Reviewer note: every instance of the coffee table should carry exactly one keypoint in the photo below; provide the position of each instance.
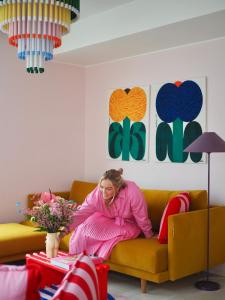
(53, 275)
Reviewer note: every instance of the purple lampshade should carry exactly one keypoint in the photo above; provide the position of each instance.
(207, 142)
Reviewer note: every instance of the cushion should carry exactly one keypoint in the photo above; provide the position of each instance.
(143, 254)
(179, 203)
(19, 282)
(81, 282)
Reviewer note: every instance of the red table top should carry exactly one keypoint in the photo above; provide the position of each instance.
(42, 259)
(52, 274)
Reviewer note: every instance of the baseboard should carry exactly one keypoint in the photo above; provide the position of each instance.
(219, 270)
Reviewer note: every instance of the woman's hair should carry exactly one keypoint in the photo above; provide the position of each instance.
(115, 177)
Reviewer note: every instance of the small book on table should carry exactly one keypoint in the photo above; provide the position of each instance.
(66, 261)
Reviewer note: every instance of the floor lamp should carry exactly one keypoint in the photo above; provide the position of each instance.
(208, 142)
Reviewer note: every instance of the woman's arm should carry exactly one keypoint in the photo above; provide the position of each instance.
(87, 208)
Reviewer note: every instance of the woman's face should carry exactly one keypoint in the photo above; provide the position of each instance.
(108, 189)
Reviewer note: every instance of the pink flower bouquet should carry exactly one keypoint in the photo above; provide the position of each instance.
(51, 213)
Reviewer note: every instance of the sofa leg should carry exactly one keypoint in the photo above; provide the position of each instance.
(143, 286)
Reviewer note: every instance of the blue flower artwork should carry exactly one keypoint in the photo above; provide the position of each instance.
(180, 119)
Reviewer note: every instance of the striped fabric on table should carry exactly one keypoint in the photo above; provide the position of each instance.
(80, 283)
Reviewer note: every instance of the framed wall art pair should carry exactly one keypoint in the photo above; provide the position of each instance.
(157, 122)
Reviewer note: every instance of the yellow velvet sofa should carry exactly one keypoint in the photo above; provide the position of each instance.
(185, 253)
(18, 239)
(147, 259)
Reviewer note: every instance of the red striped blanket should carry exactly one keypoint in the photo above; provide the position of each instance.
(80, 283)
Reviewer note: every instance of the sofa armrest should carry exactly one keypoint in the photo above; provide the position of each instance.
(64, 195)
(187, 241)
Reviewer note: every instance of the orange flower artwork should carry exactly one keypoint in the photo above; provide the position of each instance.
(131, 105)
(127, 132)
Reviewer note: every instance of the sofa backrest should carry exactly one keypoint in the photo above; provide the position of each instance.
(80, 189)
(156, 199)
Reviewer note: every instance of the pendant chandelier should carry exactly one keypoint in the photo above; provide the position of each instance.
(35, 27)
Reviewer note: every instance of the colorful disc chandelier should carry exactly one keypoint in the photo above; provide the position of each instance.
(35, 27)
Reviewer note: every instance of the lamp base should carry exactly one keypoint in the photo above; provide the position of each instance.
(207, 285)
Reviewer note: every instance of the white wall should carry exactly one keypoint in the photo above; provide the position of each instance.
(41, 130)
(206, 59)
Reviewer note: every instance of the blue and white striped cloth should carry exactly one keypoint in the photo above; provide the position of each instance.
(48, 292)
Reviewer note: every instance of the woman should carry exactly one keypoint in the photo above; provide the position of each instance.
(114, 211)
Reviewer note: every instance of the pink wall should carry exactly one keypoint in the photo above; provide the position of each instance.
(206, 59)
(44, 121)
(41, 130)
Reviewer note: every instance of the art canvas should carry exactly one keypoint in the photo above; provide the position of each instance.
(128, 127)
(179, 117)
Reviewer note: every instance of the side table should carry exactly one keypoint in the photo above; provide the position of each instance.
(53, 275)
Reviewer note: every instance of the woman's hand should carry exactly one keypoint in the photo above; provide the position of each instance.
(61, 234)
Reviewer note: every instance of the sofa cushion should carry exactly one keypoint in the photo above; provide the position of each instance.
(179, 203)
(64, 242)
(19, 282)
(141, 254)
(17, 238)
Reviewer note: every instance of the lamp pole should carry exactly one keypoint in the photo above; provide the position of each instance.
(208, 221)
(208, 142)
(208, 285)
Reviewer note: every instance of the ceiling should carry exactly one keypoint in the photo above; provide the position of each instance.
(92, 7)
(110, 30)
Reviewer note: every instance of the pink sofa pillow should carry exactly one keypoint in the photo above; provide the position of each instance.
(19, 282)
(179, 203)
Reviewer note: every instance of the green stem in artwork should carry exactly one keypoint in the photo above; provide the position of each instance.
(178, 140)
(126, 139)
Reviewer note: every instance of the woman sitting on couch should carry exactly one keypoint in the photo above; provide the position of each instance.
(114, 211)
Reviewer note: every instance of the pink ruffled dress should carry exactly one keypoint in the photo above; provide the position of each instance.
(99, 228)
